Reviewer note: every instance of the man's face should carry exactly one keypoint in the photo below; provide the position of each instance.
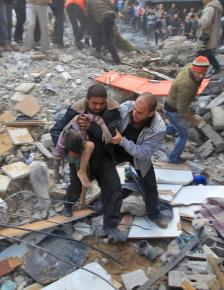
(96, 104)
(141, 112)
(198, 76)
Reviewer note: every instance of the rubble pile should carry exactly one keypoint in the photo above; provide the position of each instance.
(40, 249)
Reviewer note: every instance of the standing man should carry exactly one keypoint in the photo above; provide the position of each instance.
(101, 163)
(141, 132)
(101, 14)
(20, 9)
(176, 107)
(57, 7)
(209, 31)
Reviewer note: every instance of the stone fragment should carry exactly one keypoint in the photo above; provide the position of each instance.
(16, 170)
(28, 106)
(216, 102)
(206, 149)
(59, 68)
(218, 117)
(66, 58)
(25, 87)
(66, 76)
(134, 279)
(4, 183)
(5, 144)
(18, 96)
(46, 140)
(20, 136)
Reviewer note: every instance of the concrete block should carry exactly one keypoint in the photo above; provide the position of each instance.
(25, 87)
(199, 281)
(18, 96)
(29, 106)
(198, 267)
(134, 279)
(16, 170)
(206, 149)
(218, 117)
(46, 140)
(20, 136)
(4, 183)
(216, 102)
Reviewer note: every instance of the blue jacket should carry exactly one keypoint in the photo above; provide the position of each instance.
(149, 139)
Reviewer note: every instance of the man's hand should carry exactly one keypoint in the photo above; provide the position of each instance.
(117, 138)
(196, 119)
(83, 122)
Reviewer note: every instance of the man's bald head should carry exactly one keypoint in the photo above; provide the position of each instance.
(149, 100)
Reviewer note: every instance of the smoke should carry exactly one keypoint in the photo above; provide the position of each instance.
(39, 178)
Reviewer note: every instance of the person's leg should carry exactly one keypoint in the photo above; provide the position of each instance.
(108, 32)
(73, 191)
(9, 20)
(20, 10)
(42, 12)
(213, 60)
(3, 24)
(181, 125)
(82, 23)
(29, 26)
(84, 162)
(151, 198)
(58, 9)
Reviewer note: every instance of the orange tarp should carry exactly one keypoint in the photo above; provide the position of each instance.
(140, 85)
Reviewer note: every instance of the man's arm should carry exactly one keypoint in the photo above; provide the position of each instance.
(140, 151)
(59, 125)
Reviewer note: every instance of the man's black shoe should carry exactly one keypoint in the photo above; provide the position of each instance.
(67, 210)
(114, 234)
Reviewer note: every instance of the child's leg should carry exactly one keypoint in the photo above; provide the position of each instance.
(84, 161)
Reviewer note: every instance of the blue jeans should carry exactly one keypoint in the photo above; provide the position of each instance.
(178, 125)
(5, 22)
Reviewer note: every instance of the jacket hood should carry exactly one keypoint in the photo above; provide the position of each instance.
(216, 4)
(80, 106)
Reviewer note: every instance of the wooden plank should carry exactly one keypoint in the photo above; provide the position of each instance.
(9, 265)
(42, 225)
(27, 123)
(163, 165)
(43, 150)
(158, 74)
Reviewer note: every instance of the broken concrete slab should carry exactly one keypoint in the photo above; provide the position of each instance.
(7, 116)
(168, 191)
(197, 194)
(20, 136)
(216, 102)
(18, 96)
(5, 144)
(4, 183)
(16, 170)
(133, 204)
(83, 280)
(200, 281)
(82, 230)
(46, 140)
(148, 229)
(134, 279)
(25, 87)
(44, 150)
(9, 265)
(42, 225)
(216, 139)
(29, 106)
(173, 176)
(205, 149)
(218, 117)
(71, 251)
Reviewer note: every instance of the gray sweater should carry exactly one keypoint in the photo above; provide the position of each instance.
(149, 139)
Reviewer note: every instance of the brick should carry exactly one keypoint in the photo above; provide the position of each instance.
(9, 265)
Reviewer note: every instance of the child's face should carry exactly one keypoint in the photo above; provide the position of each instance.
(72, 154)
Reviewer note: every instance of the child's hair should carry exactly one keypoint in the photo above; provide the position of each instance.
(73, 141)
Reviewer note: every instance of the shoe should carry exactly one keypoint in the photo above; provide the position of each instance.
(114, 234)
(67, 210)
(159, 220)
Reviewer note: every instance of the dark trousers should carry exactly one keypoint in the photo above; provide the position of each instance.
(78, 20)
(20, 9)
(5, 22)
(57, 7)
(106, 175)
(103, 34)
(151, 196)
(210, 54)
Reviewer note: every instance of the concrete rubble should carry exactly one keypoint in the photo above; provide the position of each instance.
(36, 88)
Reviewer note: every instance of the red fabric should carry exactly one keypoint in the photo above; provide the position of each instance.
(140, 85)
(81, 3)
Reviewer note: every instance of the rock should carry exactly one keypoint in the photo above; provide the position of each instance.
(218, 117)
(133, 280)
(82, 230)
(78, 81)
(9, 285)
(133, 204)
(46, 140)
(25, 87)
(205, 150)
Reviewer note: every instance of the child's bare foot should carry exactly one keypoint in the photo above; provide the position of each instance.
(84, 179)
